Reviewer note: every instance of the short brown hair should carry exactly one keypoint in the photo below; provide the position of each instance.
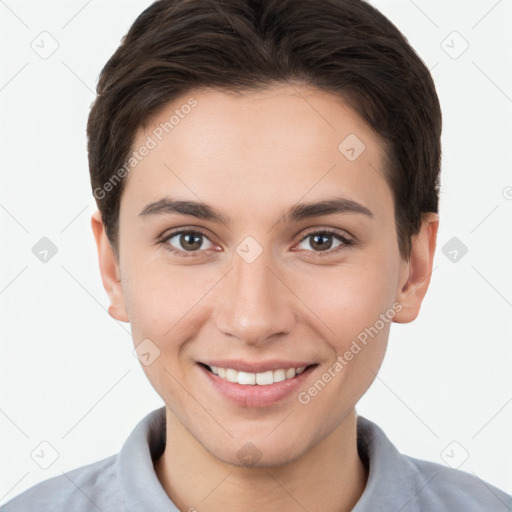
(345, 47)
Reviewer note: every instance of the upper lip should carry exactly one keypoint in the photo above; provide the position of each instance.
(257, 366)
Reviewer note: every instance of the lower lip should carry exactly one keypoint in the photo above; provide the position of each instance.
(255, 395)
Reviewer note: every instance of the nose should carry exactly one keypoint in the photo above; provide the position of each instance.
(254, 305)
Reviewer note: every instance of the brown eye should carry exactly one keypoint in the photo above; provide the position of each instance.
(325, 241)
(186, 241)
(321, 242)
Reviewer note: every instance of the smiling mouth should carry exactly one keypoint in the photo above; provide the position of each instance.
(256, 379)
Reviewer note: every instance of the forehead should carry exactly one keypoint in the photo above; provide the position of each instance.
(274, 145)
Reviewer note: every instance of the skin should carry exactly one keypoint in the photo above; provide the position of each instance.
(252, 157)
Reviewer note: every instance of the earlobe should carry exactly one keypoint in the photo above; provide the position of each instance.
(109, 269)
(418, 270)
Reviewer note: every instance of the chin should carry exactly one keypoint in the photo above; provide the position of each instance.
(245, 453)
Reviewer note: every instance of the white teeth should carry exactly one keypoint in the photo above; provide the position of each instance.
(246, 378)
(231, 375)
(279, 375)
(261, 379)
(265, 378)
(290, 373)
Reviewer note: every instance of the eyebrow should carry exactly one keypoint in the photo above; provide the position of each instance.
(298, 212)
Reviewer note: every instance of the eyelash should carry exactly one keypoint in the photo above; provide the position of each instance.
(345, 242)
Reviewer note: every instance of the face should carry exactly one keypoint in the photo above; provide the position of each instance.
(225, 264)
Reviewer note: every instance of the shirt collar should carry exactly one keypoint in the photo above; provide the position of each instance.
(393, 482)
(390, 477)
(140, 487)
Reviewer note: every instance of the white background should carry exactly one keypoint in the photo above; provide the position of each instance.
(68, 374)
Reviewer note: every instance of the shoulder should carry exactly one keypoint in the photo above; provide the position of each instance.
(401, 482)
(123, 481)
(81, 489)
(444, 488)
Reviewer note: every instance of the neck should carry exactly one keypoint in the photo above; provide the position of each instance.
(329, 477)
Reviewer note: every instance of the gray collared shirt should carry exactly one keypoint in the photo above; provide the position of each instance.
(127, 482)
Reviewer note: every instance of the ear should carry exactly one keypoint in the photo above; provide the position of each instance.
(417, 271)
(109, 269)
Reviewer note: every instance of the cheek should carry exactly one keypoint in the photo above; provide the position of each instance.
(355, 311)
(347, 299)
(162, 300)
